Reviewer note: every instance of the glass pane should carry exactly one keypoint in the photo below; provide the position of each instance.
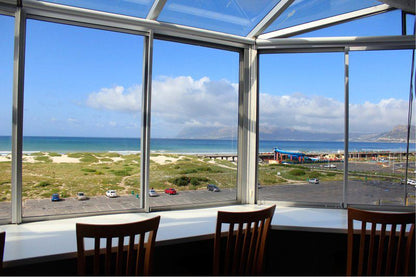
(410, 24)
(6, 92)
(81, 120)
(379, 95)
(194, 115)
(386, 24)
(231, 16)
(301, 127)
(307, 11)
(136, 8)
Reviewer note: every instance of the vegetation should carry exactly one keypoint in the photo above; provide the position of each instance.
(97, 172)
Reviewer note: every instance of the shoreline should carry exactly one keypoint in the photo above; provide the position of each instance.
(201, 153)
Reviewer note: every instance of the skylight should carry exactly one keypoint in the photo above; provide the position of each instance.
(236, 17)
(136, 8)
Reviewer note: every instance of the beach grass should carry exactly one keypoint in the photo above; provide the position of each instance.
(95, 173)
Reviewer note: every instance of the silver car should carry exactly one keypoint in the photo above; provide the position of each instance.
(153, 193)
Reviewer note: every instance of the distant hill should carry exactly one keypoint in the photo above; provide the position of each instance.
(397, 134)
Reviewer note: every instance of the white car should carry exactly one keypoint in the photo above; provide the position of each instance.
(313, 181)
(111, 193)
(81, 196)
(411, 182)
(153, 193)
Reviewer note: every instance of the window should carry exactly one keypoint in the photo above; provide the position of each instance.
(301, 127)
(81, 120)
(194, 117)
(6, 79)
(385, 24)
(307, 11)
(379, 104)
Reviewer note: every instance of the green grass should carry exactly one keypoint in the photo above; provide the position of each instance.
(43, 177)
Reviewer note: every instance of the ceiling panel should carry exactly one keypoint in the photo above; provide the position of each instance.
(236, 17)
(305, 11)
(136, 8)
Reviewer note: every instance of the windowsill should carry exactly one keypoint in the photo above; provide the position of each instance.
(51, 240)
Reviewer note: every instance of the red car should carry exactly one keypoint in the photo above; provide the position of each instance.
(170, 191)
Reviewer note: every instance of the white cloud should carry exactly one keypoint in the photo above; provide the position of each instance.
(116, 99)
(73, 120)
(322, 114)
(190, 102)
(184, 102)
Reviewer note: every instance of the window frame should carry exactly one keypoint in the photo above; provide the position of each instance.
(249, 50)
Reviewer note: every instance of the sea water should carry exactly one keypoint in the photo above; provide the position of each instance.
(186, 146)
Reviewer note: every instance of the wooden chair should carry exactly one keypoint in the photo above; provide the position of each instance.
(384, 244)
(240, 250)
(133, 258)
(2, 242)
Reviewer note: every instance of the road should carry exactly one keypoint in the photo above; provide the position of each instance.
(359, 192)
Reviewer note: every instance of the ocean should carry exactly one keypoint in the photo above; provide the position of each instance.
(185, 146)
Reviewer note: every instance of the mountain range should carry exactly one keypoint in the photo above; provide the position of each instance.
(397, 134)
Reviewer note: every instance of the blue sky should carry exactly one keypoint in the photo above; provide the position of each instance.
(87, 82)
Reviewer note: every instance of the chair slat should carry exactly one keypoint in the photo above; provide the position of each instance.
(400, 248)
(130, 255)
(119, 256)
(236, 252)
(259, 248)
(371, 249)
(228, 249)
(2, 242)
(140, 252)
(108, 256)
(252, 248)
(97, 256)
(380, 261)
(390, 249)
(362, 248)
(248, 233)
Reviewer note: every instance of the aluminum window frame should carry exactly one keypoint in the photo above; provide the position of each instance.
(249, 51)
(346, 45)
(242, 124)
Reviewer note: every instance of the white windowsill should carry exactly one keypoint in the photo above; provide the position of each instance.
(55, 239)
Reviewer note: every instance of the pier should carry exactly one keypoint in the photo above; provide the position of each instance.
(320, 157)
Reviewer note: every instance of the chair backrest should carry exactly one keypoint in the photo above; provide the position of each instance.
(134, 258)
(240, 250)
(384, 244)
(2, 242)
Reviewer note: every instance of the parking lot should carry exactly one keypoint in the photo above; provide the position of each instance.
(371, 192)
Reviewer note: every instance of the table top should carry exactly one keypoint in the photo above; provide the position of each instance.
(55, 239)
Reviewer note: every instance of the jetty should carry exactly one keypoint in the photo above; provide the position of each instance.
(268, 157)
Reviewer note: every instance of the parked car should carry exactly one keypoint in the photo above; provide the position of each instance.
(170, 191)
(409, 182)
(313, 181)
(330, 166)
(212, 187)
(55, 197)
(111, 193)
(81, 196)
(153, 193)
